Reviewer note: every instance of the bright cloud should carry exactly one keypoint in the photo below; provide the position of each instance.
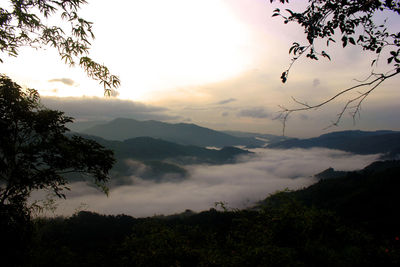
(239, 185)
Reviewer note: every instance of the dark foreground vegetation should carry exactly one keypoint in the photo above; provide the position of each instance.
(347, 221)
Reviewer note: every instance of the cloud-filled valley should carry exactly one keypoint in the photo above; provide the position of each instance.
(239, 185)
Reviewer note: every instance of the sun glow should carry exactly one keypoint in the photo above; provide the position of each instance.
(159, 45)
(153, 45)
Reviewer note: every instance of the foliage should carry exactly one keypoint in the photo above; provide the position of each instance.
(286, 233)
(368, 197)
(27, 23)
(36, 154)
(34, 151)
(349, 221)
(322, 19)
(357, 142)
(352, 22)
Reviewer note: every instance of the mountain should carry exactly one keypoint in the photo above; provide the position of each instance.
(349, 221)
(80, 126)
(359, 142)
(330, 173)
(156, 159)
(367, 198)
(269, 138)
(147, 148)
(182, 133)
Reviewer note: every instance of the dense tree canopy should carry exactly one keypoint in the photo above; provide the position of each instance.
(35, 153)
(351, 22)
(28, 23)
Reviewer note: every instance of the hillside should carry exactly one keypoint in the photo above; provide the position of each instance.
(182, 133)
(269, 138)
(368, 197)
(359, 142)
(155, 159)
(147, 148)
(349, 221)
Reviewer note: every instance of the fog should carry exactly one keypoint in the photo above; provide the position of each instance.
(238, 185)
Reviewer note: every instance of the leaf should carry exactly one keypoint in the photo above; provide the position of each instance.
(344, 41)
(351, 40)
(284, 76)
(294, 46)
(290, 11)
(326, 55)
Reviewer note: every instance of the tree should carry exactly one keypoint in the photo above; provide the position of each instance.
(36, 153)
(25, 23)
(353, 21)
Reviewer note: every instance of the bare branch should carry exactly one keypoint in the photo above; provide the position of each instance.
(358, 100)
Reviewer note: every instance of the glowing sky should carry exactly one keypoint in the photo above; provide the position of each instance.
(215, 63)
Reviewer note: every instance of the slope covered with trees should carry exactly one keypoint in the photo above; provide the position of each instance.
(35, 154)
(157, 160)
(349, 221)
(181, 133)
(358, 142)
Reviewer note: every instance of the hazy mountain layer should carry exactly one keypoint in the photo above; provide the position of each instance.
(157, 159)
(369, 195)
(182, 133)
(359, 142)
(269, 138)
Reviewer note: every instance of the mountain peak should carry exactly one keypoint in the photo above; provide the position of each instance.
(182, 133)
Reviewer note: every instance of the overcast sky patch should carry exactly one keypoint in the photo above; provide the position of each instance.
(258, 113)
(65, 81)
(226, 101)
(95, 108)
(316, 82)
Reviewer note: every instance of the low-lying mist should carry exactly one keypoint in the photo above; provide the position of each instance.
(239, 185)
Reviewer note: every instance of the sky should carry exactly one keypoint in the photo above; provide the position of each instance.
(215, 63)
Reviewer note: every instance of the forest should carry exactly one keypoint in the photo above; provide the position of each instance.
(344, 218)
(351, 220)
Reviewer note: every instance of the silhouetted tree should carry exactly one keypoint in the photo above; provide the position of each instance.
(36, 154)
(354, 22)
(26, 23)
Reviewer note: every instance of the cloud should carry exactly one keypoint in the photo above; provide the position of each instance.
(225, 114)
(65, 81)
(303, 117)
(114, 93)
(226, 101)
(240, 185)
(258, 113)
(94, 108)
(316, 82)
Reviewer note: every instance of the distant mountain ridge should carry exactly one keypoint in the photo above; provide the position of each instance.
(269, 138)
(181, 133)
(359, 142)
(368, 197)
(155, 159)
(147, 148)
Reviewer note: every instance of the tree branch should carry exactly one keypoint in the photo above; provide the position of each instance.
(372, 85)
